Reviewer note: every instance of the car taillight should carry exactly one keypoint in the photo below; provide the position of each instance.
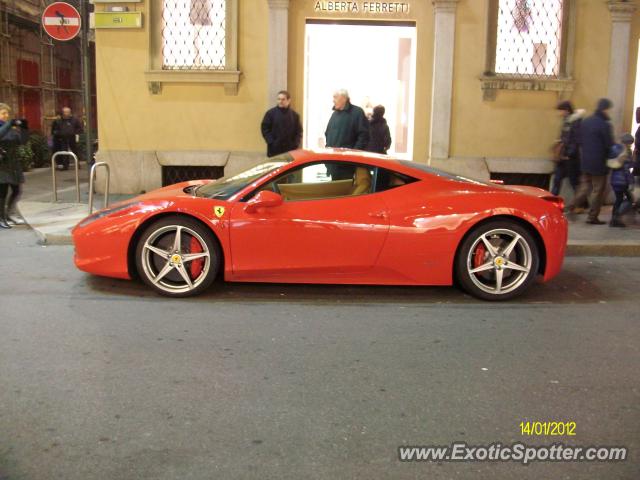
(557, 201)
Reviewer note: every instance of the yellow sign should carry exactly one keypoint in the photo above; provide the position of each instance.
(219, 211)
(117, 20)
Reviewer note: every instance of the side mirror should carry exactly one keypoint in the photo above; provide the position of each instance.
(264, 198)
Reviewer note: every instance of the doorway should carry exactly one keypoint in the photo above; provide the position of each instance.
(375, 62)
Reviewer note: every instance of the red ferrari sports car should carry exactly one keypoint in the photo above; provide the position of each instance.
(331, 216)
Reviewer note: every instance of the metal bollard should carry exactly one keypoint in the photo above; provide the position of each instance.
(92, 178)
(53, 171)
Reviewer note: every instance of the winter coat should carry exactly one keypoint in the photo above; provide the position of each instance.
(622, 178)
(66, 128)
(379, 136)
(596, 140)
(570, 135)
(636, 154)
(282, 130)
(10, 166)
(348, 128)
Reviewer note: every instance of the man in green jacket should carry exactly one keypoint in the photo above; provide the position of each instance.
(347, 128)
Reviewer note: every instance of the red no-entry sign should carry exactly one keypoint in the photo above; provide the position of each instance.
(61, 21)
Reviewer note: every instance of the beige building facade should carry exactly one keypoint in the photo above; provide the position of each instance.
(471, 85)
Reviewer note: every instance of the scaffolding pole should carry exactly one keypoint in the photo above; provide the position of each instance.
(86, 74)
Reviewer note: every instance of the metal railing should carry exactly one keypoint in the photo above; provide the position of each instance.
(53, 171)
(92, 177)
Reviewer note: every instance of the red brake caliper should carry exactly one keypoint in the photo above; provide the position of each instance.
(478, 258)
(196, 265)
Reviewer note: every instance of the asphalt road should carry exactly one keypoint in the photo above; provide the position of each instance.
(101, 379)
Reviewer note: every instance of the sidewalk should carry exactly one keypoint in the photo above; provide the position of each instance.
(53, 222)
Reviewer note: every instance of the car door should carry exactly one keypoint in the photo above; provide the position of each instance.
(323, 227)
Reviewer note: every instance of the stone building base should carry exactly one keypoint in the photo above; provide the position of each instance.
(481, 168)
(140, 172)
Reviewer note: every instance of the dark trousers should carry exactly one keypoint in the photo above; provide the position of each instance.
(567, 168)
(620, 196)
(6, 207)
(594, 185)
(63, 144)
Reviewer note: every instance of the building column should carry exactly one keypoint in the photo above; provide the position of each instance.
(442, 88)
(278, 47)
(621, 15)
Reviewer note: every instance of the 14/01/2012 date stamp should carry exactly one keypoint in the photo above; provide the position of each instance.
(548, 429)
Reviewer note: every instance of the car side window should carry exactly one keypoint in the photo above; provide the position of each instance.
(388, 179)
(324, 180)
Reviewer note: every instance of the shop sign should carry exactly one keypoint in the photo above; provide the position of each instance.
(367, 8)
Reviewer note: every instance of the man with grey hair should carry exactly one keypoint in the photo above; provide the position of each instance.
(348, 126)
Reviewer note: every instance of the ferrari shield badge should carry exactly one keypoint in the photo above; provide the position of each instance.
(219, 211)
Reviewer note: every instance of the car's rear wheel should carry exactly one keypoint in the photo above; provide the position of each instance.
(177, 256)
(498, 260)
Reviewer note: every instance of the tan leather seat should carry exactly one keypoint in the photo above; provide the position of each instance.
(361, 182)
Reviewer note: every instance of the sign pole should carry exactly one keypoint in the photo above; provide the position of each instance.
(86, 74)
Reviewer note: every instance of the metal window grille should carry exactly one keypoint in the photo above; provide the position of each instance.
(529, 37)
(193, 34)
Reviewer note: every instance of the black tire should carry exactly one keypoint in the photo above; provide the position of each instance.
(161, 235)
(474, 253)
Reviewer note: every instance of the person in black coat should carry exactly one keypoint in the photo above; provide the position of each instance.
(13, 133)
(348, 127)
(379, 135)
(281, 127)
(596, 140)
(568, 165)
(64, 130)
(636, 149)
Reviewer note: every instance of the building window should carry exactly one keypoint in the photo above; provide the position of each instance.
(529, 46)
(529, 37)
(193, 34)
(193, 41)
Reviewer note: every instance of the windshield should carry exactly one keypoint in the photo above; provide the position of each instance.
(224, 188)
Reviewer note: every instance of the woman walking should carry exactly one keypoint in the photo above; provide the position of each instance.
(11, 176)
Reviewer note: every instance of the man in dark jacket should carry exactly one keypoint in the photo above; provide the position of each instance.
(64, 130)
(348, 127)
(596, 139)
(281, 127)
(568, 165)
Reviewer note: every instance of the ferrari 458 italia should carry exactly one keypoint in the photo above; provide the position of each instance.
(332, 217)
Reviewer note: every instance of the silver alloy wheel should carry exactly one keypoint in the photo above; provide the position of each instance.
(499, 261)
(166, 266)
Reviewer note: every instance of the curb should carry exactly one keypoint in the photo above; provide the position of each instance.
(583, 249)
(53, 239)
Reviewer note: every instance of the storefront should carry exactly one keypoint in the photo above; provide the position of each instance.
(469, 85)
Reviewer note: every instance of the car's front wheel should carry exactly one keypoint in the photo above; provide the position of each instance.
(177, 256)
(498, 260)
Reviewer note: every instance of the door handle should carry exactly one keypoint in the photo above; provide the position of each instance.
(378, 214)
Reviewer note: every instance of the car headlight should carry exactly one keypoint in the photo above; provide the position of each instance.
(103, 213)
